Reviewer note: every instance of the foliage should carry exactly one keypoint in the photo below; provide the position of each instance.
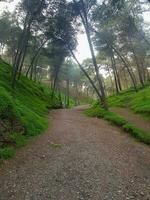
(121, 36)
(40, 34)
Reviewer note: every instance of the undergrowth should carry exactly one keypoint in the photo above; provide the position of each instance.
(7, 153)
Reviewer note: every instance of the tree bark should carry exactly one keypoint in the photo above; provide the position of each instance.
(34, 57)
(114, 73)
(137, 63)
(67, 93)
(126, 66)
(87, 30)
(55, 81)
(122, 59)
(21, 50)
(86, 74)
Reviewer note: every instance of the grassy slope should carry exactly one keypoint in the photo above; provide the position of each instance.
(97, 111)
(137, 101)
(23, 111)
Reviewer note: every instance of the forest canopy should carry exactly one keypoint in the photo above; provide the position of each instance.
(39, 39)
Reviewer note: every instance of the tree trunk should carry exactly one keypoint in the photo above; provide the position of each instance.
(100, 83)
(76, 94)
(55, 81)
(126, 66)
(21, 50)
(22, 61)
(67, 93)
(114, 73)
(122, 59)
(86, 74)
(137, 63)
(34, 57)
(112, 84)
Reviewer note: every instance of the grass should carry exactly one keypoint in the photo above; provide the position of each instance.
(139, 134)
(7, 153)
(20, 140)
(139, 101)
(23, 110)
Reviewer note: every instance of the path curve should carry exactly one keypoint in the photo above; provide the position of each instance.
(134, 118)
(95, 161)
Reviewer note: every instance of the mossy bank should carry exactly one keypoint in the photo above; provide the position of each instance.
(139, 134)
(23, 110)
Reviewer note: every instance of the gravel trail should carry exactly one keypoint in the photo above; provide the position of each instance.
(78, 158)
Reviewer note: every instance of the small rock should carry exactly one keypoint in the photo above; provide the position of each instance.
(43, 156)
(142, 193)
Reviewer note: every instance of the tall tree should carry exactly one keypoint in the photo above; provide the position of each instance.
(82, 8)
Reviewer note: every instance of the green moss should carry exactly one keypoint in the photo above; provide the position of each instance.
(137, 133)
(7, 153)
(97, 111)
(20, 140)
(114, 118)
(24, 108)
(138, 101)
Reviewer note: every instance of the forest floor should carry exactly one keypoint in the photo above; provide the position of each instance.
(78, 158)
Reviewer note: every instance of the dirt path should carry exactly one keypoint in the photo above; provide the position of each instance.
(136, 119)
(94, 162)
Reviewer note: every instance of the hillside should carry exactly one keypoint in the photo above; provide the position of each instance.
(139, 101)
(23, 110)
(131, 102)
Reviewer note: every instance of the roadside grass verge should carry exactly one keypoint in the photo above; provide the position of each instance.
(113, 118)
